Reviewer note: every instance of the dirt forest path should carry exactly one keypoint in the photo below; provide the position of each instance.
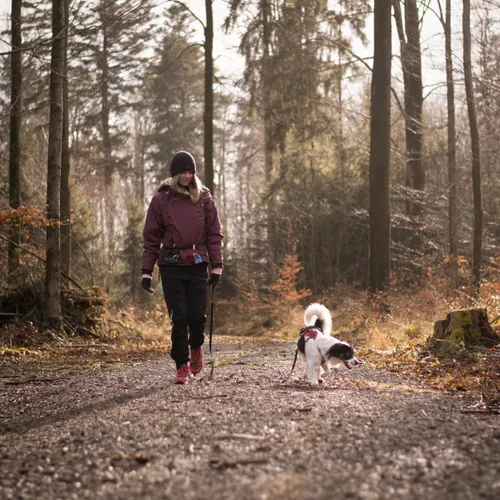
(129, 433)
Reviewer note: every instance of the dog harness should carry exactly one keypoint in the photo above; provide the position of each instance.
(310, 332)
(307, 333)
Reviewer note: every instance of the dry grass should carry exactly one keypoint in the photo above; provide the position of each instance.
(397, 320)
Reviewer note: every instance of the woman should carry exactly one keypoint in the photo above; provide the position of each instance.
(182, 234)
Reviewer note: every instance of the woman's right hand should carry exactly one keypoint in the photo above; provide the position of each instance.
(147, 282)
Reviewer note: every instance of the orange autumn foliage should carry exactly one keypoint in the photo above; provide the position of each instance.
(285, 286)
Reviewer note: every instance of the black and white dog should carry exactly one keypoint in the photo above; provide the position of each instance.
(318, 348)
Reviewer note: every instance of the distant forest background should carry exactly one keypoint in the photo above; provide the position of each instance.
(329, 167)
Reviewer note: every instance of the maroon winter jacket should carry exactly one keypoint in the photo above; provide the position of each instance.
(173, 220)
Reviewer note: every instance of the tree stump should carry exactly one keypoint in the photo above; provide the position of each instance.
(463, 329)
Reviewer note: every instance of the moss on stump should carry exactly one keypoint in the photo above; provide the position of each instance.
(462, 329)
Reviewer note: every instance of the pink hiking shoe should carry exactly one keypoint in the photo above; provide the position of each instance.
(182, 376)
(196, 364)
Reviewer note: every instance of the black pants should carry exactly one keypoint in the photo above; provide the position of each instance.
(185, 291)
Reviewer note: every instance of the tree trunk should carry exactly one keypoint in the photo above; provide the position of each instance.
(313, 244)
(476, 157)
(139, 161)
(380, 136)
(342, 163)
(208, 117)
(463, 329)
(452, 157)
(486, 70)
(222, 194)
(52, 298)
(106, 137)
(268, 136)
(411, 61)
(108, 156)
(15, 132)
(65, 161)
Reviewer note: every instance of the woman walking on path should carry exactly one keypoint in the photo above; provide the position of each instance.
(182, 234)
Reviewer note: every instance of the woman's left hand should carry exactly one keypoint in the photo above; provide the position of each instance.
(214, 279)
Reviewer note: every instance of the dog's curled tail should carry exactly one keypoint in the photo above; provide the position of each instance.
(319, 316)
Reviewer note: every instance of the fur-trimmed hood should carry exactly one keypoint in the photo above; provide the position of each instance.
(165, 185)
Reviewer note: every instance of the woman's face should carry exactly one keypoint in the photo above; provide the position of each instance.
(185, 178)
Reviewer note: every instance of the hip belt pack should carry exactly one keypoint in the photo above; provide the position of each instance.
(171, 255)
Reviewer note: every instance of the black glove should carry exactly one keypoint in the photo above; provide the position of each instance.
(214, 279)
(147, 280)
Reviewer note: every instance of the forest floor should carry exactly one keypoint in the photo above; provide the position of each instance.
(107, 422)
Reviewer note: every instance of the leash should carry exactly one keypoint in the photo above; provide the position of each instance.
(211, 293)
(303, 331)
(294, 361)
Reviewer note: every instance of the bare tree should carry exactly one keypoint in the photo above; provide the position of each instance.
(65, 161)
(109, 166)
(475, 148)
(411, 61)
(208, 117)
(15, 132)
(452, 155)
(267, 113)
(52, 298)
(380, 232)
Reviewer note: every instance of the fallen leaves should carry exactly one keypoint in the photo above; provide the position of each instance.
(478, 374)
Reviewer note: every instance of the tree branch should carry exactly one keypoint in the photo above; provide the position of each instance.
(184, 6)
(90, 29)
(69, 278)
(179, 56)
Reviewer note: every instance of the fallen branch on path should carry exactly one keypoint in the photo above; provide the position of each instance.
(248, 437)
(218, 463)
(486, 411)
(212, 396)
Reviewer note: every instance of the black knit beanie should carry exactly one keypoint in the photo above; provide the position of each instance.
(182, 161)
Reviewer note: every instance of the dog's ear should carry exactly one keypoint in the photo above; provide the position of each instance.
(340, 351)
